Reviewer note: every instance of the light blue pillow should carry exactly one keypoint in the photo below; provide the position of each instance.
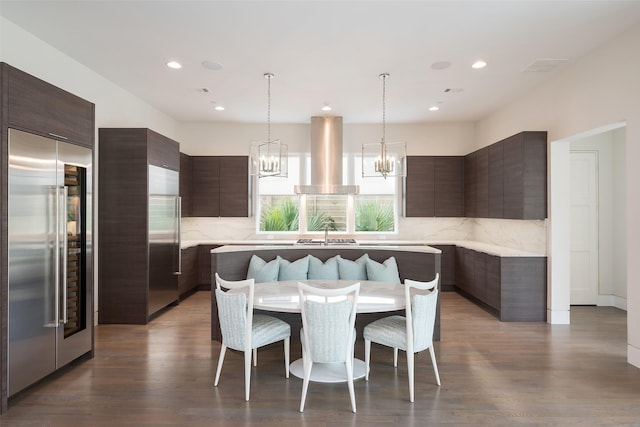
(385, 272)
(263, 271)
(296, 270)
(319, 270)
(353, 270)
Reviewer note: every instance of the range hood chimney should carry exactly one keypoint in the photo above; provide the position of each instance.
(326, 159)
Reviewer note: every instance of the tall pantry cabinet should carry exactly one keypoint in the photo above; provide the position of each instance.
(139, 224)
(46, 285)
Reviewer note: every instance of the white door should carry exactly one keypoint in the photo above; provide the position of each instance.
(584, 227)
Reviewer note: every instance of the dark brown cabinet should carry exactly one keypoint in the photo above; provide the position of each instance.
(186, 184)
(447, 267)
(508, 179)
(204, 264)
(470, 185)
(419, 191)
(220, 186)
(39, 107)
(496, 181)
(449, 186)
(434, 186)
(188, 280)
(525, 176)
(482, 183)
(512, 288)
(138, 245)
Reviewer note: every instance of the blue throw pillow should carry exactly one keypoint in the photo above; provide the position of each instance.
(353, 270)
(319, 270)
(263, 271)
(385, 272)
(296, 270)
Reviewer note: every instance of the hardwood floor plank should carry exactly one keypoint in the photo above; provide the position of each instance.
(493, 373)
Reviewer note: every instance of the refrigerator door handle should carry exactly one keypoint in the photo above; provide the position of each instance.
(65, 251)
(56, 263)
(179, 233)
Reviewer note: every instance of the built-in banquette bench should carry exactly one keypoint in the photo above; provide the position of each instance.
(413, 262)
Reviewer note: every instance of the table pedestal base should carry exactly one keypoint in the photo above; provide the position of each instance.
(329, 372)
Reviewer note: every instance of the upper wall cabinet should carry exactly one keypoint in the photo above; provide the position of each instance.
(220, 186)
(186, 179)
(434, 186)
(508, 179)
(39, 107)
(525, 176)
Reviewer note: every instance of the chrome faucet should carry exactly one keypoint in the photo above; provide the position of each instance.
(326, 234)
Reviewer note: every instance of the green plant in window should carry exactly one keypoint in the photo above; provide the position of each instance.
(318, 221)
(282, 216)
(373, 216)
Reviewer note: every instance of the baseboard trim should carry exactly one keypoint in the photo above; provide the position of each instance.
(633, 355)
(559, 317)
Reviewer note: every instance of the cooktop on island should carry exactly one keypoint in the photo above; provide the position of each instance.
(332, 241)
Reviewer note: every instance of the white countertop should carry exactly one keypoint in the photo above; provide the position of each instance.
(395, 244)
(407, 248)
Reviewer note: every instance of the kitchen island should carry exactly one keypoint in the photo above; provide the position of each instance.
(414, 262)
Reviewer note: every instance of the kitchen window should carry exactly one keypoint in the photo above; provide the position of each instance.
(373, 210)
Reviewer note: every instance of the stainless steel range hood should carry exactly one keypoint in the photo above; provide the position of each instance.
(326, 159)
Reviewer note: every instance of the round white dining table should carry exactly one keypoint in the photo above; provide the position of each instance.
(374, 297)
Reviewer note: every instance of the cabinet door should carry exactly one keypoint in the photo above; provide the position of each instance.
(205, 276)
(492, 295)
(186, 173)
(534, 187)
(482, 183)
(496, 182)
(470, 185)
(447, 266)
(513, 176)
(234, 186)
(42, 108)
(449, 186)
(479, 275)
(163, 152)
(188, 280)
(206, 186)
(420, 187)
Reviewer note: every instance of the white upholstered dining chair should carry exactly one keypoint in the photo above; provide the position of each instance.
(244, 331)
(328, 331)
(412, 332)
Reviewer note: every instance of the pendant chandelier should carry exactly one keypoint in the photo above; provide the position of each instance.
(269, 158)
(384, 158)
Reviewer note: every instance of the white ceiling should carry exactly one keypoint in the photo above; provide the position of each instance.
(323, 51)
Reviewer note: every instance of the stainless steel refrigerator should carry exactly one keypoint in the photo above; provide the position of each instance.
(50, 256)
(164, 238)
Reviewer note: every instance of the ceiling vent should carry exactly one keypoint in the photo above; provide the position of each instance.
(544, 65)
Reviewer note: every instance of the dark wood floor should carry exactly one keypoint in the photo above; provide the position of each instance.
(492, 373)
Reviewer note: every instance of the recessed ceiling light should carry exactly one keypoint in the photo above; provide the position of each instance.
(479, 64)
(174, 64)
(218, 108)
(326, 107)
(434, 108)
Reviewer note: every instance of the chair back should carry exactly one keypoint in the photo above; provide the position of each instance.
(328, 320)
(420, 313)
(235, 312)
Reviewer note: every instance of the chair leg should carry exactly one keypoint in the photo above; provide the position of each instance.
(435, 365)
(255, 357)
(247, 373)
(367, 358)
(349, 365)
(395, 357)
(410, 357)
(286, 356)
(223, 350)
(307, 364)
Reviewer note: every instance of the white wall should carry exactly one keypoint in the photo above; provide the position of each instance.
(600, 89)
(115, 107)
